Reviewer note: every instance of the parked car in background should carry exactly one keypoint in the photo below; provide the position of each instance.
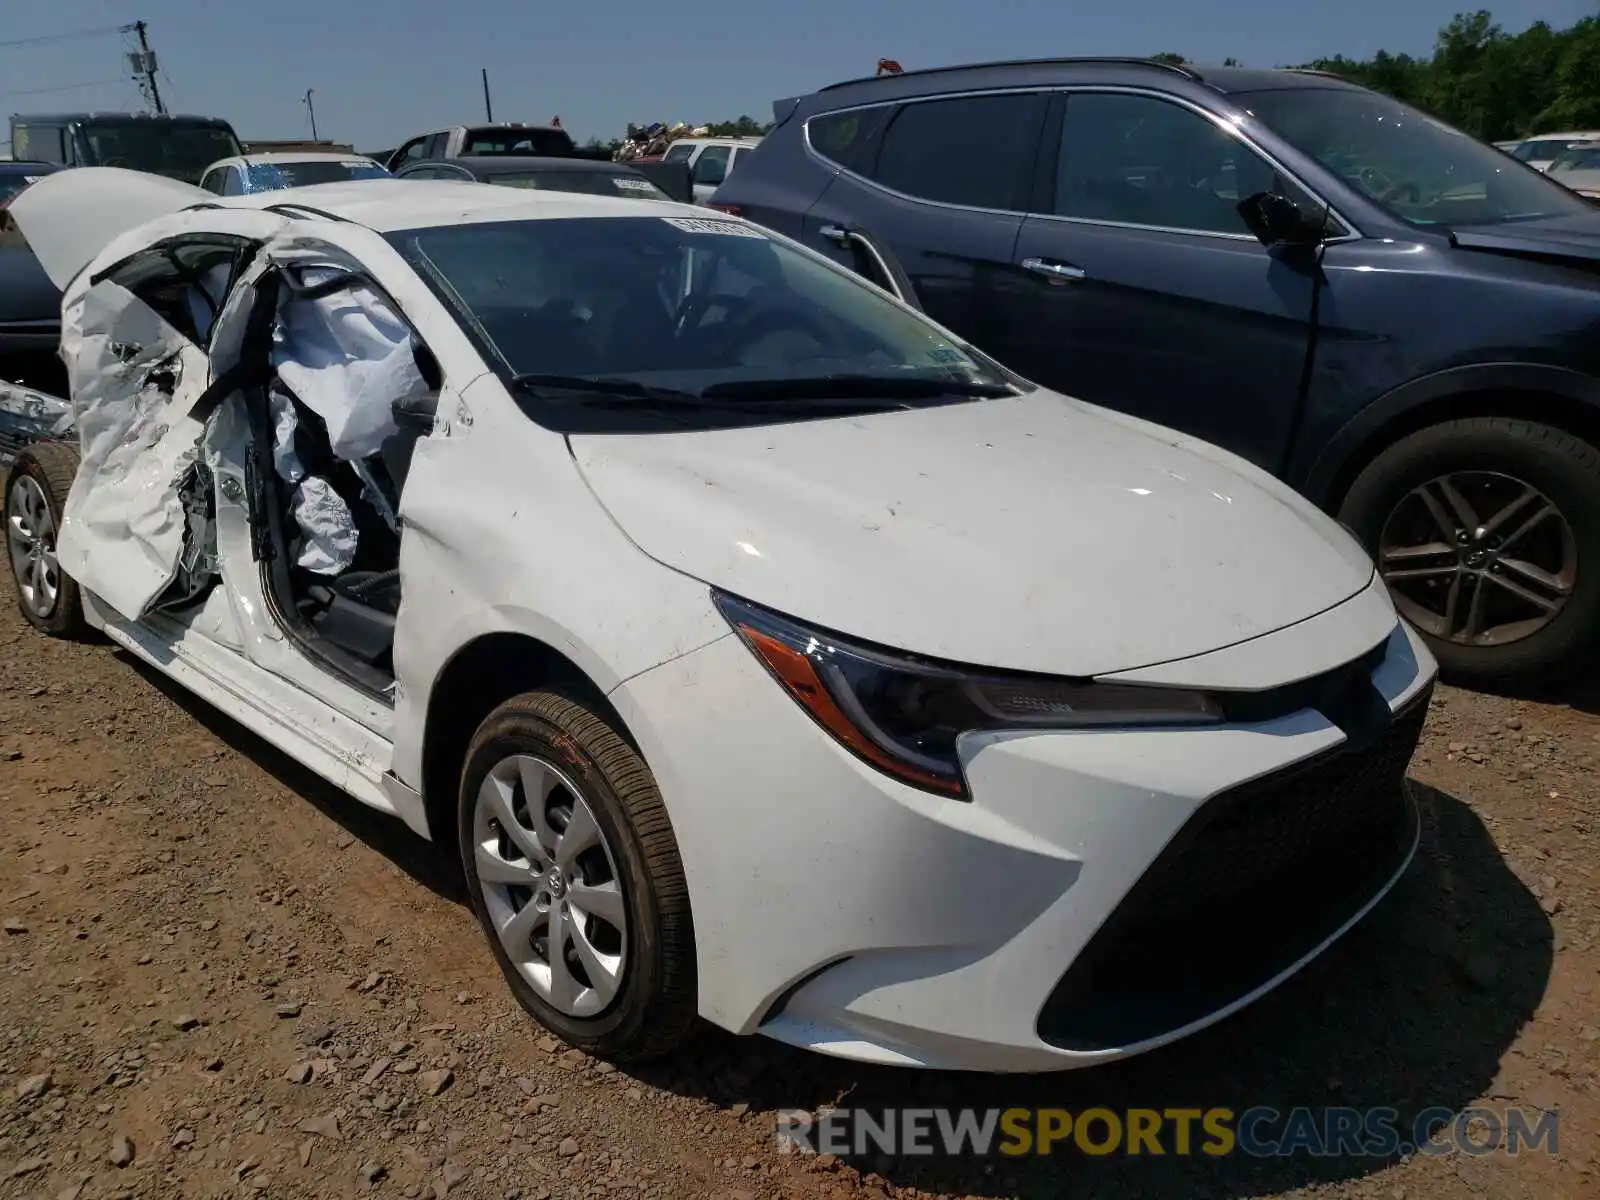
(177, 146)
(1543, 149)
(1579, 169)
(247, 173)
(30, 305)
(1382, 311)
(544, 174)
(710, 160)
(726, 580)
(509, 138)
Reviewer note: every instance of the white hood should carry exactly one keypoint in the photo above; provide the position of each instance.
(70, 216)
(1035, 534)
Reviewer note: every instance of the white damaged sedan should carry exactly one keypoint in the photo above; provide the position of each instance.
(768, 655)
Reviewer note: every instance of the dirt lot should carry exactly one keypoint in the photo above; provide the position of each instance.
(221, 975)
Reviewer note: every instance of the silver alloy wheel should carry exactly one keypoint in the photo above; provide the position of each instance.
(31, 538)
(1478, 558)
(550, 884)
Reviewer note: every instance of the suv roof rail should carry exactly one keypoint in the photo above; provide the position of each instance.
(1316, 71)
(1160, 64)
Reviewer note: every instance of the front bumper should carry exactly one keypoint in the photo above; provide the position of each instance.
(1104, 892)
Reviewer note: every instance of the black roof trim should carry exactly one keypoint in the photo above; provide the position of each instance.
(1186, 72)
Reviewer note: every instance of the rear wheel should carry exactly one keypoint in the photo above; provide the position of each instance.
(36, 495)
(574, 873)
(1487, 532)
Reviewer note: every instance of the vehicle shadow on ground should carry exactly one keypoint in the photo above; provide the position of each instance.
(1412, 1010)
(424, 862)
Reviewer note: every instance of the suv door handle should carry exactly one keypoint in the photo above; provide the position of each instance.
(1052, 270)
(835, 233)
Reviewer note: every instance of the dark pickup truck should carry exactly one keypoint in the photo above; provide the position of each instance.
(540, 141)
(30, 305)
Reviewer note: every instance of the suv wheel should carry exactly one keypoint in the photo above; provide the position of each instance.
(1487, 532)
(36, 493)
(574, 873)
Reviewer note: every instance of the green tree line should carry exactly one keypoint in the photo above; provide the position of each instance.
(1493, 84)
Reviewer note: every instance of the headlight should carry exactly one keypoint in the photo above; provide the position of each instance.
(903, 715)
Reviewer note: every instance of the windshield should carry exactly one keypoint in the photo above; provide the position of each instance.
(1420, 169)
(1586, 159)
(528, 142)
(266, 177)
(1542, 149)
(171, 148)
(679, 303)
(590, 183)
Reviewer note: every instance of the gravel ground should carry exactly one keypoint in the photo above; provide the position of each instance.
(219, 977)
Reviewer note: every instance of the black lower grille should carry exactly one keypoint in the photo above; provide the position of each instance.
(1256, 879)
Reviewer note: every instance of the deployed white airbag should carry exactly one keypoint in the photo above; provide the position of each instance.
(347, 357)
(324, 518)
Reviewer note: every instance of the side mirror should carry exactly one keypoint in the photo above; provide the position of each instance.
(1277, 220)
(415, 413)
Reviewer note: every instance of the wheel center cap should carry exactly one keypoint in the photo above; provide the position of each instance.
(1476, 558)
(555, 882)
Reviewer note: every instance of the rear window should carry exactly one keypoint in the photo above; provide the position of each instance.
(266, 177)
(849, 138)
(678, 152)
(589, 183)
(973, 151)
(531, 143)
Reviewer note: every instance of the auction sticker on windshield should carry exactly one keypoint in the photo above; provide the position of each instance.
(723, 228)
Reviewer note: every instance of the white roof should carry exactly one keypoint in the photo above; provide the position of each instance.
(390, 204)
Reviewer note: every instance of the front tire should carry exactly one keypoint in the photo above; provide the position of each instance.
(1487, 532)
(575, 876)
(36, 496)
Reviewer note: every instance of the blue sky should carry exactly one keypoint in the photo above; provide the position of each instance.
(382, 69)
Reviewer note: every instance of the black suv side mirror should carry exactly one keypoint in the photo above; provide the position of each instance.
(1277, 220)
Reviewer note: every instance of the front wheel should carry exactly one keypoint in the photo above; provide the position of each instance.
(575, 875)
(36, 495)
(1487, 532)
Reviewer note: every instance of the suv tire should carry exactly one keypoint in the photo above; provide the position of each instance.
(1505, 512)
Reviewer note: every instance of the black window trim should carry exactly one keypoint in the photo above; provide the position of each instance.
(1051, 92)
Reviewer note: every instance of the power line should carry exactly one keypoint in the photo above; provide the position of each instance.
(104, 31)
(62, 87)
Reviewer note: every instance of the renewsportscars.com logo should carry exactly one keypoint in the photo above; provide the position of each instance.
(1260, 1132)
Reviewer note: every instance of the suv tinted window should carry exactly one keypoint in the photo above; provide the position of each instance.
(1138, 160)
(970, 150)
(849, 138)
(678, 152)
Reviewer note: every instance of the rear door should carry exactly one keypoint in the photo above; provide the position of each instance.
(938, 187)
(1140, 287)
(134, 345)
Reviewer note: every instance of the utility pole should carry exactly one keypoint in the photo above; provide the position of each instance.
(311, 108)
(488, 109)
(145, 66)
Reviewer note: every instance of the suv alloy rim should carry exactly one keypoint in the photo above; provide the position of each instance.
(31, 538)
(550, 884)
(1478, 558)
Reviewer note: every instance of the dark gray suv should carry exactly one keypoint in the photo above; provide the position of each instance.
(1399, 320)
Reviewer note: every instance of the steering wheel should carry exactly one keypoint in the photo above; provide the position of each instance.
(767, 317)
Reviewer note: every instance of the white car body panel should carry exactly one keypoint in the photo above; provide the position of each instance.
(70, 223)
(1080, 542)
(854, 524)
